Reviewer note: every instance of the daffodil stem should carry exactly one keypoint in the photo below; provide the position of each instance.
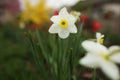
(76, 47)
(94, 74)
(79, 34)
(71, 64)
(72, 75)
(38, 62)
(59, 59)
(41, 44)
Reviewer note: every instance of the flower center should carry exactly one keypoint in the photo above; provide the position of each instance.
(63, 23)
(105, 56)
(101, 41)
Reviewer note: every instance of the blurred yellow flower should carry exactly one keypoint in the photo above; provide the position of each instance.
(38, 14)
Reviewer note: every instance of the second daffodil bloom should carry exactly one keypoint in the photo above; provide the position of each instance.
(76, 14)
(98, 56)
(99, 38)
(37, 13)
(63, 24)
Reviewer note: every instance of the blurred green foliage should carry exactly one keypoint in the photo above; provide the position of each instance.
(16, 61)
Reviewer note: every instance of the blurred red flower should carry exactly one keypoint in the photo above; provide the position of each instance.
(96, 26)
(84, 18)
(56, 12)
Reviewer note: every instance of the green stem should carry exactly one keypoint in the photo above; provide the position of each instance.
(94, 74)
(78, 35)
(41, 44)
(38, 62)
(77, 42)
(71, 64)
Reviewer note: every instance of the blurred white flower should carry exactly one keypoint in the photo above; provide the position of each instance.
(99, 38)
(22, 3)
(61, 3)
(63, 24)
(98, 56)
(55, 4)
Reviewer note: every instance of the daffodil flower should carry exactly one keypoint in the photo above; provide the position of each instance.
(98, 56)
(35, 12)
(63, 24)
(99, 38)
(60, 3)
(76, 14)
(55, 4)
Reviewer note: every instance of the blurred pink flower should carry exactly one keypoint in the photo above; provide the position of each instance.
(11, 6)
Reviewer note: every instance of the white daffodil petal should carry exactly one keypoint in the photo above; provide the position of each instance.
(94, 47)
(113, 48)
(54, 28)
(98, 35)
(115, 57)
(63, 12)
(90, 60)
(102, 36)
(71, 18)
(55, 19)
(72, 29)
(110, 69)
(63, 34)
